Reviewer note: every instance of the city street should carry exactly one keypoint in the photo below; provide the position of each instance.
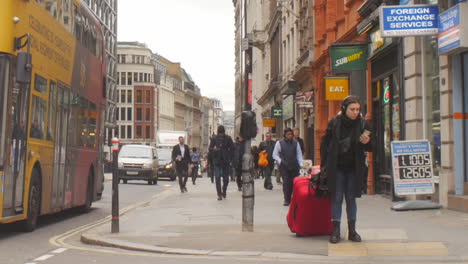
(19, 247)
(195, 228)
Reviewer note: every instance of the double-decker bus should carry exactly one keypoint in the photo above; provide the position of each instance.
(52, 104)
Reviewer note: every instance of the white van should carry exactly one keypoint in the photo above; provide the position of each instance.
(138, 162)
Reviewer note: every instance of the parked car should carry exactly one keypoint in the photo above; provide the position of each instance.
(166, 166)
(138, 162)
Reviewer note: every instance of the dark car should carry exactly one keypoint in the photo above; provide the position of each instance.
(166, 168)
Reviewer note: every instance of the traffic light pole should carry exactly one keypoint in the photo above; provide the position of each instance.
(248, 190)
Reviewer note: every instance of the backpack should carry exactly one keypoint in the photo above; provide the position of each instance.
(263, 159)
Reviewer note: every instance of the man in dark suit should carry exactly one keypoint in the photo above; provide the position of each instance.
(181, 159)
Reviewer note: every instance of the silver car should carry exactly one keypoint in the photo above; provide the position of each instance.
(138, 162)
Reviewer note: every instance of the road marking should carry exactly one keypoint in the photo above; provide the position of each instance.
(43, 257)
(59, 250)
(30, 263)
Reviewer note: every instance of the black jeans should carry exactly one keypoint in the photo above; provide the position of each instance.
(267, 171)
(182, 174)
(221, 172)
(288, 176)
(194, 173)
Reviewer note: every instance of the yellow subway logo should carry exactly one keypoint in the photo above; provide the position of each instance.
(350, 58)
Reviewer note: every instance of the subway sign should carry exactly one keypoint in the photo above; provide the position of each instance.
(348, 58)
(411, 20)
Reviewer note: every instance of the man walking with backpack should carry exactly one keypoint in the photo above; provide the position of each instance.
(222, 148)
(268, 146)
(288, 155)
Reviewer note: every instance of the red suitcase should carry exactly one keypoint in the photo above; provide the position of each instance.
(308, 215)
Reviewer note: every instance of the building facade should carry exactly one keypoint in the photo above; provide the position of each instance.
(411, 88)
(137, 94)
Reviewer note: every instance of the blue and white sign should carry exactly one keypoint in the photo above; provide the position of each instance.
(453, 30)
(411, 20)
(412, 167)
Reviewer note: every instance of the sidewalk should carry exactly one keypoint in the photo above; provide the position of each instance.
(196, 223)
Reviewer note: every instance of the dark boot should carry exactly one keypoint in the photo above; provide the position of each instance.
(352, 234)
(335, 235)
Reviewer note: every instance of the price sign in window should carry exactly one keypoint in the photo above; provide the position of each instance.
(412, 167)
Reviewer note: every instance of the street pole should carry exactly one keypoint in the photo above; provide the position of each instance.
(248, 190)
(115, 186)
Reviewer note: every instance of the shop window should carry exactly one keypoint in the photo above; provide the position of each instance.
(432, 99)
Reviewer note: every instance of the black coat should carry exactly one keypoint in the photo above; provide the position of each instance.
(223, 154)
(239, 149)
(329, 154)
(186, 160)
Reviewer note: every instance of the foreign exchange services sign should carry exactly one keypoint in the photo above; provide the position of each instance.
(412, 167)
(415, 20)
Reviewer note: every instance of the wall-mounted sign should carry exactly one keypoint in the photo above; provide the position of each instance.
(410, 20)
(269, 122)
(453, 30)
(348, 58)
(336, 87)
(277, 112)
(305, 99)
(412, 167)
(288, 107)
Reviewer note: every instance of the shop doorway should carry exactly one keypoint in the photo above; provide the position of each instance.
(387, 128)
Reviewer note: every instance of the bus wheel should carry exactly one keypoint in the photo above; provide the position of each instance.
(86, 208)
(34, 202)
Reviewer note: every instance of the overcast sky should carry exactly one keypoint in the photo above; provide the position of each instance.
(197, 33)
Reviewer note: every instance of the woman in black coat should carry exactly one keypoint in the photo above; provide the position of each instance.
(342, 152)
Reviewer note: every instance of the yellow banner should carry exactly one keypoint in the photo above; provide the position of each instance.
(269, 122)
(337, 88)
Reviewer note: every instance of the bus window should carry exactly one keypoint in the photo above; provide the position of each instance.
(92, 125)
(51, 121)
(38, 118)
(40, 84)
(4, 80)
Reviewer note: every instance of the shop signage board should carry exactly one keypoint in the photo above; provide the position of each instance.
(348, 58)
(337, 87)
(277, 112)
(269, 122)
(412, 167)
(288, 107)
(453, 30)
(304, 99)
(409, 20)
